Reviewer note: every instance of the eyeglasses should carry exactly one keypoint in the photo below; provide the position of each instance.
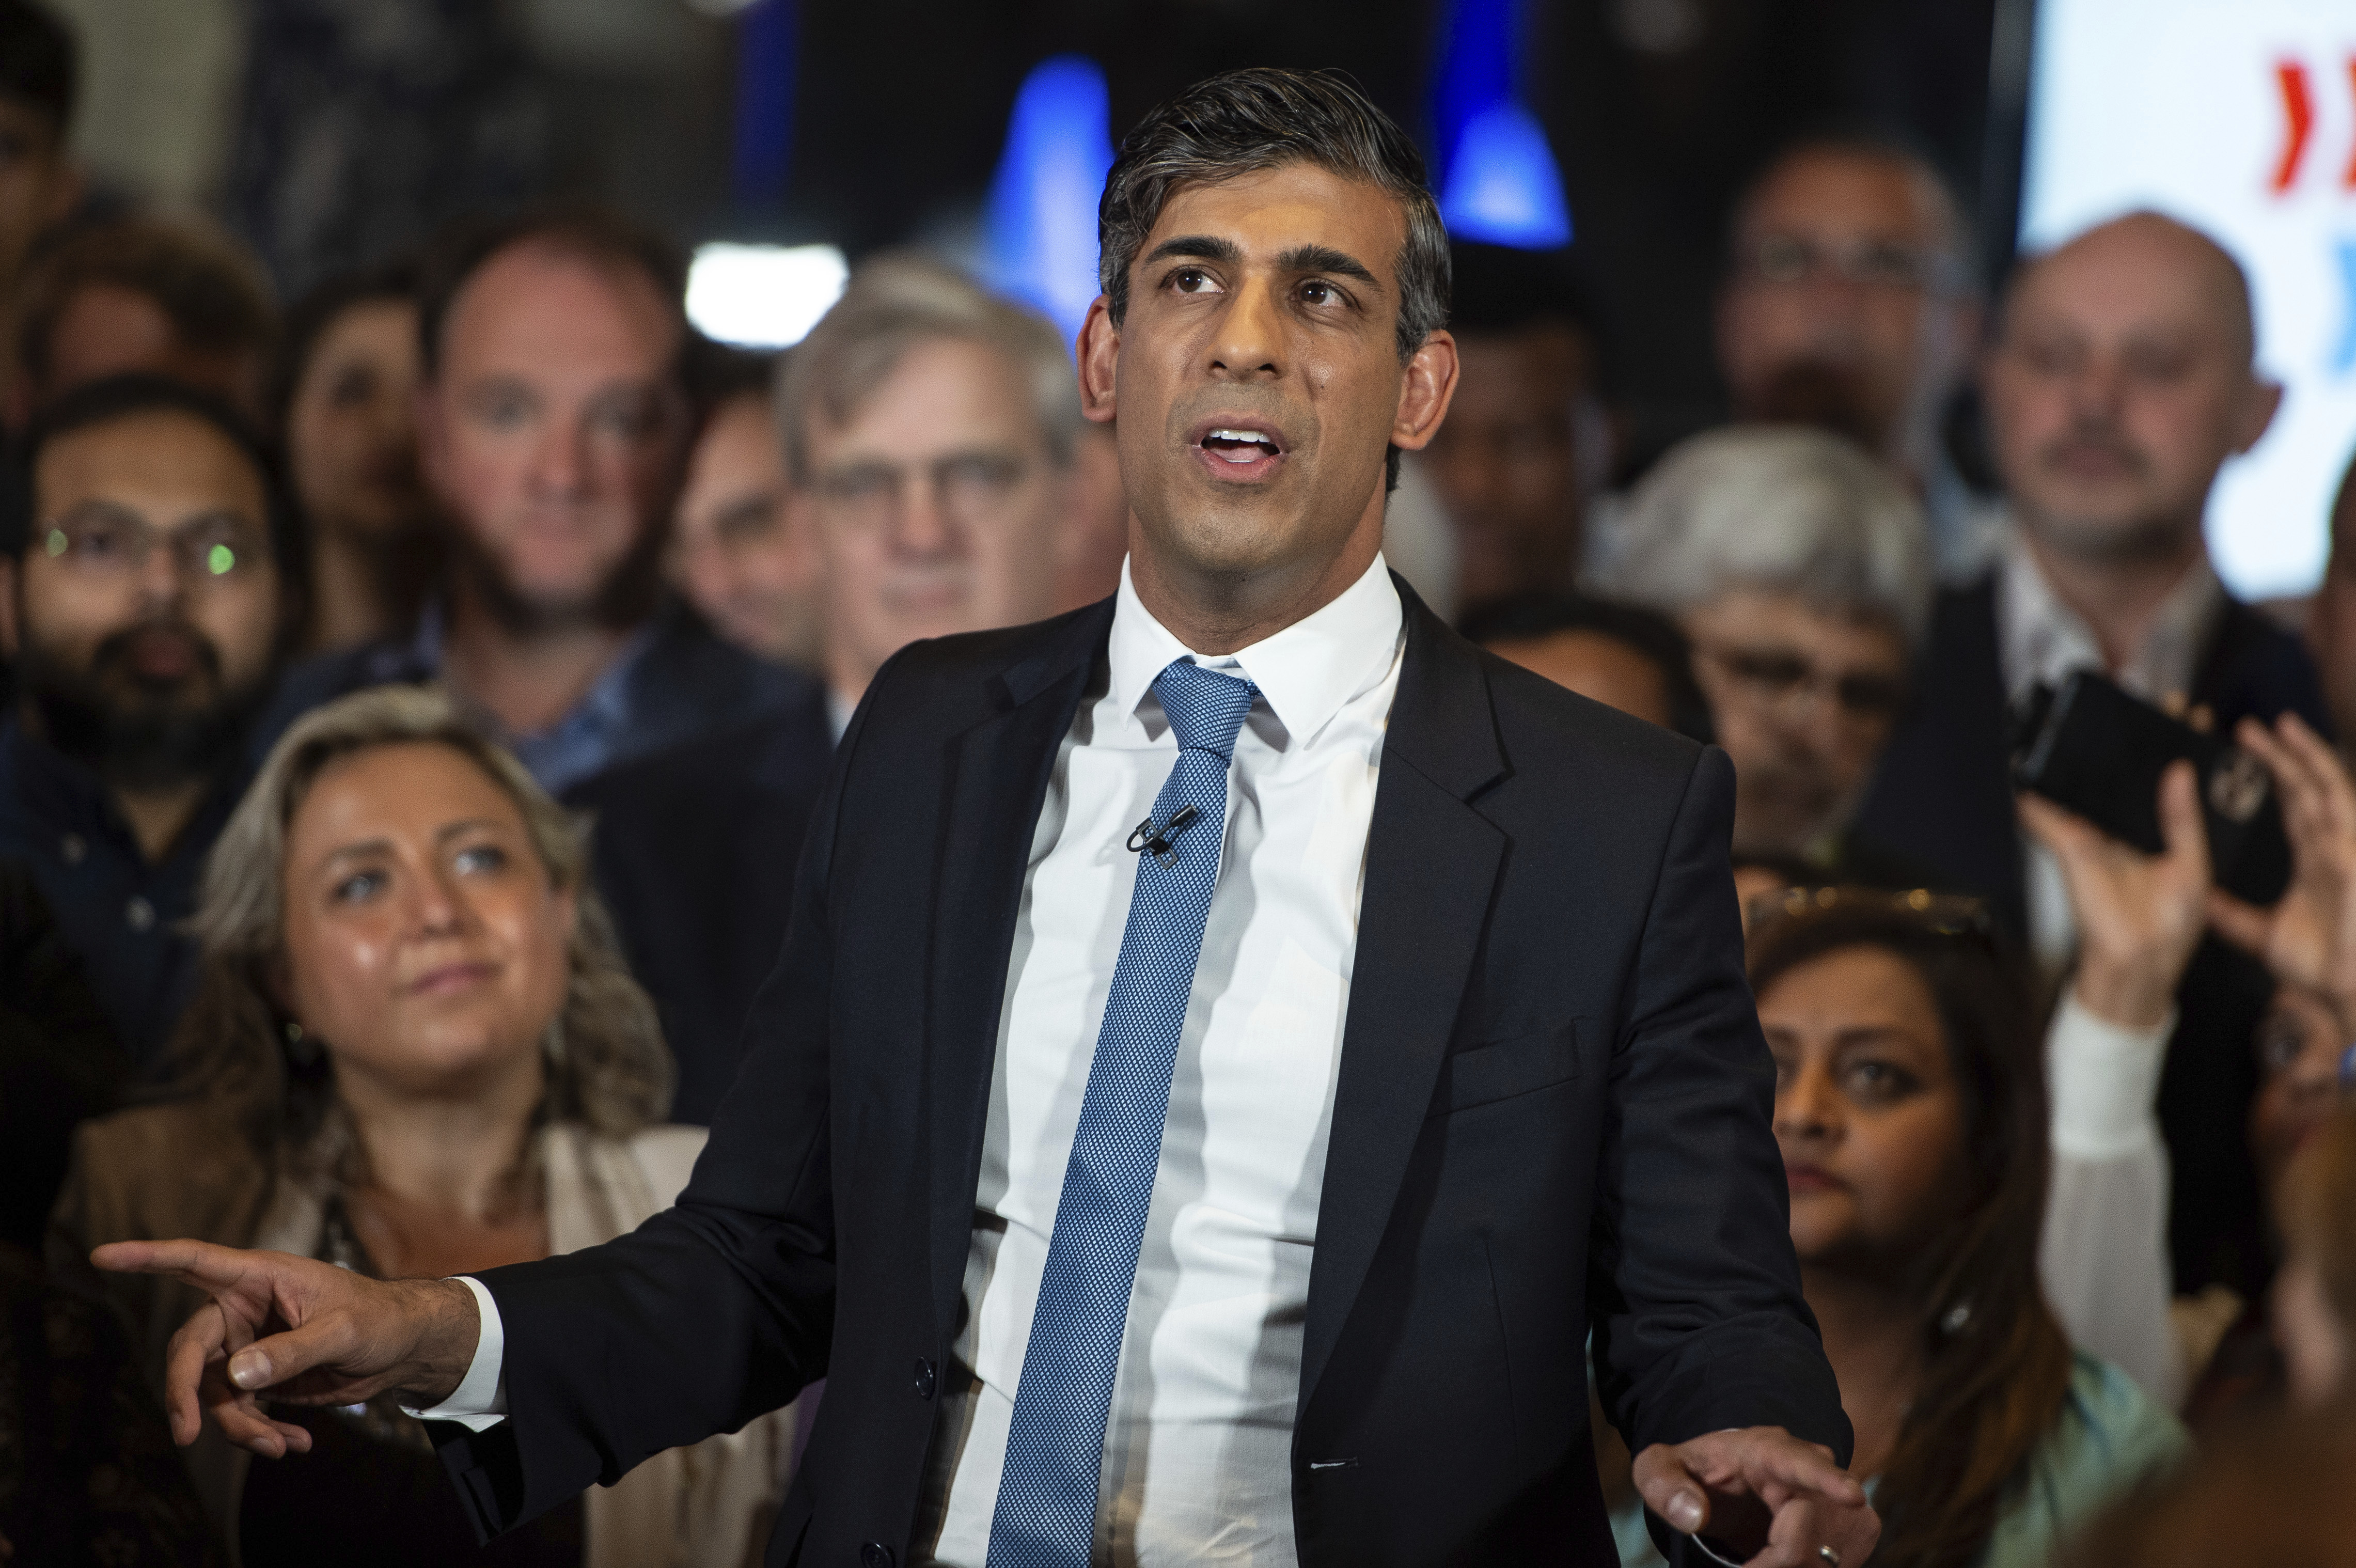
(1781, 677)
(968, 487)
(1941, 914)
(103, 542)
(1787, 259)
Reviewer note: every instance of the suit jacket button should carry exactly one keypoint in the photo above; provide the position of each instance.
(875, 1554)
(925, 1379)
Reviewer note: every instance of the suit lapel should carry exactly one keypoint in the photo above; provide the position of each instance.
(996, 778)
(1431, 865)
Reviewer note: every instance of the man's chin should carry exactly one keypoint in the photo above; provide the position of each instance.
(2106, 527)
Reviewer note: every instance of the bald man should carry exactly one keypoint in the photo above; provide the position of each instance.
(2120, 380)
(1848, 303)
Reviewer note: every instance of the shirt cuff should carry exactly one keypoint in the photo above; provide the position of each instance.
(2105, 1082)
(480, 1399)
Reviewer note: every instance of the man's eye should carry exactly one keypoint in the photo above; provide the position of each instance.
(1317, 291)
(854, 485)
(1191, 279)
(2159, 364)
(1779, 671)
(101, 543)
(503, 412)
(355, 387)
(633, 419)
(2051, 358)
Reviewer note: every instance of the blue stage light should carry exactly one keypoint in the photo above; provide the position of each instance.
(1498, 180)
(766, 36)
(1502, 186)
(1041, 244)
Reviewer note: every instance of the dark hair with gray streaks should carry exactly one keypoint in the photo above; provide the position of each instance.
(1243, 122)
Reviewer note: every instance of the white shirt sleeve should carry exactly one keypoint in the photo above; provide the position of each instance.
(480, 1399)
(2105, 1253)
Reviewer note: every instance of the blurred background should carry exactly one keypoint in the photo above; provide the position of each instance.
(330, 133)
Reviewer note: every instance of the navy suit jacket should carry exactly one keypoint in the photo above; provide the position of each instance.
(1551, 1118)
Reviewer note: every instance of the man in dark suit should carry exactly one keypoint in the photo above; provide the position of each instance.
(1252, 1194)
(2120, 381)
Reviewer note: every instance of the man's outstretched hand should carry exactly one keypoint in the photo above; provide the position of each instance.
(302, 1331)
(1763, 1497)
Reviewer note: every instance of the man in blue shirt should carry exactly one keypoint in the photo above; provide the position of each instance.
(553, 429)
(145, 596)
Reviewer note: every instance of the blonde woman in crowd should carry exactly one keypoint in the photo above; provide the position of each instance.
(414, 1051)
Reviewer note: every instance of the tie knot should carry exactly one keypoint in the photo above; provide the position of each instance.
(1205, 708)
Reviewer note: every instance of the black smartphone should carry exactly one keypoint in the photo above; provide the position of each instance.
(2090, 747)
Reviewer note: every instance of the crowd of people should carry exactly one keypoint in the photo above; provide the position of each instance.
(415, 699)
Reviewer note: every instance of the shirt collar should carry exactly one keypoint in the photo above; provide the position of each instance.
(2043, 640)
(604, 706)
(1305, 672)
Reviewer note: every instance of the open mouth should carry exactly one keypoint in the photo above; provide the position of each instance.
(1240, 445)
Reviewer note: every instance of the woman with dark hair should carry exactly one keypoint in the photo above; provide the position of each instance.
(1911, 1110)
(414, 1051)
(343, 398)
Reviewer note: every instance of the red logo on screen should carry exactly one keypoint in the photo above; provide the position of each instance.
(2298, 94)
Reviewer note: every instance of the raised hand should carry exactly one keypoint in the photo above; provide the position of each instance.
(2309, 938)
(302, 1331)
(2139, 916)
(1761, 1496)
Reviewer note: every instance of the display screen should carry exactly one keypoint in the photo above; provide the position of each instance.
(2238, 117)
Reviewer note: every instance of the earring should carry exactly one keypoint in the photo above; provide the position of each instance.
(552, 1043)
(303, 1050)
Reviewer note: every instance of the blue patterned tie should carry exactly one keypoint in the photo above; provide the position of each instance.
(1054, 1448)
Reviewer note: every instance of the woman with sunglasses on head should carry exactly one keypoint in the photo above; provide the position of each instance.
(1912, 1112)
(414, 1051)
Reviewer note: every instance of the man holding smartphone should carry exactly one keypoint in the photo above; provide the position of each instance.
(2121, 379)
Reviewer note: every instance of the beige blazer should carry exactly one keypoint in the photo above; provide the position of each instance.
(162, 1171)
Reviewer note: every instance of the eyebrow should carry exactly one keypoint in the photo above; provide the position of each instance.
(442, 835)
(1198, 247)
(1326, 259)
(1300, 259)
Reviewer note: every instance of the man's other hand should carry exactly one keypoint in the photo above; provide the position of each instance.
(301, 1331)
(1762, 1496)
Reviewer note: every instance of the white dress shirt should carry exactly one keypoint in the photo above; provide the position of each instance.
(1198, 1443)
(1198, 1446)
(2043, 641)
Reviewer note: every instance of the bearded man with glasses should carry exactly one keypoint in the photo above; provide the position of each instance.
(147, 594)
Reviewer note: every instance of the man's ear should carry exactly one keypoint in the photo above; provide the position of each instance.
(1425, 391)
(2259, 406)
(9, 631)
(1100, 355)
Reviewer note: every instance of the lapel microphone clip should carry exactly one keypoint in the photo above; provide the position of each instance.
(1155, 841)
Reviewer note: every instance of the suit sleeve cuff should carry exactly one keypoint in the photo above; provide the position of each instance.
(480, 1399)
(2105, 1082)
